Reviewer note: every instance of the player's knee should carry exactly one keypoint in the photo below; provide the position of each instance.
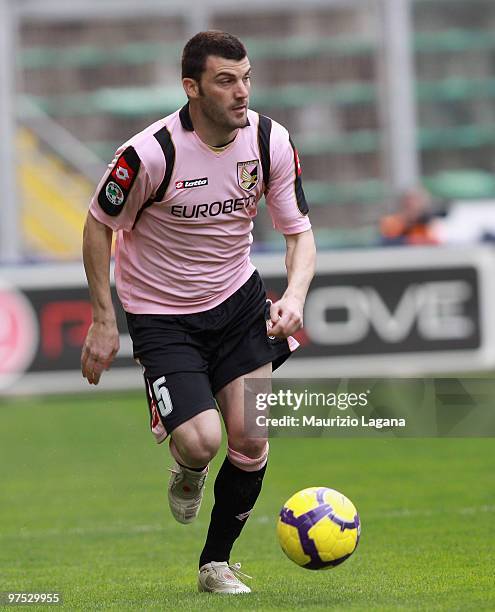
(205, 452)
(196, 442)
(198, 450)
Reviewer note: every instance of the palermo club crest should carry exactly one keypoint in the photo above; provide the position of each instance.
(248, 174)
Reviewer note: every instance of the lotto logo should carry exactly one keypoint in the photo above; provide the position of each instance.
(188, 184)
(123, 174)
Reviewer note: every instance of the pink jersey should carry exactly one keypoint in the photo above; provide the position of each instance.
(184, 213)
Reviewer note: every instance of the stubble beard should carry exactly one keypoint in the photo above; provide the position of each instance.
(219, 116)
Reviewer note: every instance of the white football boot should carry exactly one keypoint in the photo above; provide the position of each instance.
(185, 492)
(220, 577)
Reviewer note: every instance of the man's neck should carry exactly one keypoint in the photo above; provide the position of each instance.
(209, 134)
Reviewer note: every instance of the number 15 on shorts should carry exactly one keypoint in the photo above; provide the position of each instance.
(162, 396)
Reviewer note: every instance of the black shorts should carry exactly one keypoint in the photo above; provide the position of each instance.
(188, 358)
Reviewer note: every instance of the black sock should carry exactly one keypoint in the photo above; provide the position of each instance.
(190, 468)
(236, 492)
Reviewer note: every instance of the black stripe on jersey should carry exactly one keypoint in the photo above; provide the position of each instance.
(114, 192)
(264, 132)
(185, 118)
(165, 141)
(168, 148)
(302, 205)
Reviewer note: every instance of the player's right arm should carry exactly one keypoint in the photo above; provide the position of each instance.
(102, 340)
(122, 192)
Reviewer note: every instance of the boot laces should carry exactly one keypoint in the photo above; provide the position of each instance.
(235, 568)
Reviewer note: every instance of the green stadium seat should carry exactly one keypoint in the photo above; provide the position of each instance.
(462, 184)
(293, 47)
(157, 100)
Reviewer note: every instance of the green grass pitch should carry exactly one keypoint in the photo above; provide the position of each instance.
(83, 511)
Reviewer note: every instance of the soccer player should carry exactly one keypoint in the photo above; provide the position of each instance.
(181, 196)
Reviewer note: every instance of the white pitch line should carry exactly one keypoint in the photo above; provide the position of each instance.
(404, 513)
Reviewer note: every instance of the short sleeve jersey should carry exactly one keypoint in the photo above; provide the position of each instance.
(183, 213)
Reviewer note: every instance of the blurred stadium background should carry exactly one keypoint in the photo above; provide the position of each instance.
(382, 97)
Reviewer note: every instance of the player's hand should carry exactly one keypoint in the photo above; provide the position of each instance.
(100, 347)
(286, 317)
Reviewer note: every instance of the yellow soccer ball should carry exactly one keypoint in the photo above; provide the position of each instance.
(318, 528)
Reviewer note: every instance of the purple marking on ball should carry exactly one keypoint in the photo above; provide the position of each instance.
(306, 521)
(320, 495)
(342, 524)
(287, 517)
(303, 524)
(319, 564)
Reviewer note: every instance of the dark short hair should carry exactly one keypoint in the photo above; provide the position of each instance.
(203, 44)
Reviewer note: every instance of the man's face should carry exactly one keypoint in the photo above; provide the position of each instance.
(223, 92)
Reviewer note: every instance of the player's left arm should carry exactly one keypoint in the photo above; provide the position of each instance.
(287, 313)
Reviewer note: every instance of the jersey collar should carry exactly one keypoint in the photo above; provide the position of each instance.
(185, 118)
